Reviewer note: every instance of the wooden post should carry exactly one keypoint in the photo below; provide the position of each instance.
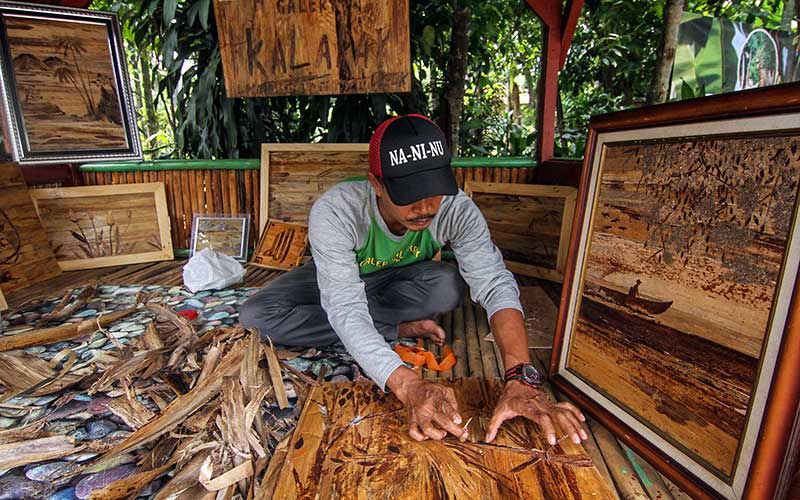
(559, 27)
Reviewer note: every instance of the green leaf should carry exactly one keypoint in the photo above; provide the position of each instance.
(428, 39)
(170, 6)
(686, 91)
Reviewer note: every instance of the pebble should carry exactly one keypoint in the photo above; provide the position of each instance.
(81, 457)
(339, 378)
(68, 494)
(80, 434)
(87, 485)
(133, 327)
(31, 317)
(6, 422)
(194, 303)
(100, 428)
(35, 349)
(14, 487)
(214, 323)
(218, 315)
(50, 471)
(109, 463)
(100, 342)
(85, 313)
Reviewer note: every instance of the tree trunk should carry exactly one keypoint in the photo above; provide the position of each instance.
(514, 105)
(665, 55)
(454, 84)
(791, 10)
(151, 122)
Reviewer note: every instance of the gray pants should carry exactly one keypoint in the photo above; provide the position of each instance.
(288, 309)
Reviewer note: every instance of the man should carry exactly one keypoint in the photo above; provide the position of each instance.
(372, 280)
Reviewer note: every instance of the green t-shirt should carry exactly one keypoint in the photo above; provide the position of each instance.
(379, 251)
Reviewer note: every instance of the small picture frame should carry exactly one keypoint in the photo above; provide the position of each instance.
(225, 233)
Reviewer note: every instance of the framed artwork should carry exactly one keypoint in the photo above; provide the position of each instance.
(25, 255)
(282, 246)
(679, 322)
(3, 304)
(293, 176)
(65, 90)
(225, 233)
(530, 224)
(100, 226)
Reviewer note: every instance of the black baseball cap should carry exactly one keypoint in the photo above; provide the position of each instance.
(410, 154)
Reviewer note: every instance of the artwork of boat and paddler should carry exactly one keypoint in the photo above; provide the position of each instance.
(683, 277)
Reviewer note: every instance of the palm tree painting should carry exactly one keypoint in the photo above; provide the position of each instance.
(66, 86)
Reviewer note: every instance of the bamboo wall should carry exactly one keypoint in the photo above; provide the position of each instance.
(219, 191)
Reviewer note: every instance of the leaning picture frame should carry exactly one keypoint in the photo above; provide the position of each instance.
(227, 234)
(679, 324)
(65, 91)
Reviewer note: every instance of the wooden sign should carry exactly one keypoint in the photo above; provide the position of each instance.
(314, 47)
(352, 442)
(530, 224)
(99, 226)
(25, 255)
(293, 176)
(282, 246)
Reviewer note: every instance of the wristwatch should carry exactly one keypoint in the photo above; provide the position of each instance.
(525, 373)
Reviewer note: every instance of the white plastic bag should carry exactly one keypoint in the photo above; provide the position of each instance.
(209, 269)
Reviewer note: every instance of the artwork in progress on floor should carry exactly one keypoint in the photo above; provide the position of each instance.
(223, 233)
(25, 256)
(685, 267)
(352, 442)
(282, 246)
(97, 226)
(66, 85)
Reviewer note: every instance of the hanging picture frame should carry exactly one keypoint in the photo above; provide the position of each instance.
(679, 320)
(65, 90)
(225, 233)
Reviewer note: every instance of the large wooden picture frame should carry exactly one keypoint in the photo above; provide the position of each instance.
(679, 322)
(530, 223)
(65, 90)
(100, 226)
(293, 176)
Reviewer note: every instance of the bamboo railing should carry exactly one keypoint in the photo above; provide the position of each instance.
(232, 186)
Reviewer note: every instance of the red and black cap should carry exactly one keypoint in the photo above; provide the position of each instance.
(410, 155)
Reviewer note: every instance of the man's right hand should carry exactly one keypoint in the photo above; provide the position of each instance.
(432, 408)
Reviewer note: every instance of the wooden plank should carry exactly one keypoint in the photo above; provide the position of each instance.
(540, 317)
(352, 442)
(648, 476)
(531, 224)
(293, 176)
(25, 255)
(621, 470)
(488, 359)
(313, 48)
(534, 271)
(80, 221)
(472, 341)
(282, 246)
(447, 325)
(459, 344)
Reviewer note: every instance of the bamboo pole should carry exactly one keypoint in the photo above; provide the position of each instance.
(461, 369)
(488, 359)
(473, 345)
(447, 325)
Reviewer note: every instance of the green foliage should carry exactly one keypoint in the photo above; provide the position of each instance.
(608, 68)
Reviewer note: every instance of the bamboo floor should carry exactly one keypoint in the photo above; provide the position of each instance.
(631, 477)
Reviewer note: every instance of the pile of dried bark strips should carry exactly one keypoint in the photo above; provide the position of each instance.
(170, 414)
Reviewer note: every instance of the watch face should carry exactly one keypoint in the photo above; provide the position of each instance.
(530, 374)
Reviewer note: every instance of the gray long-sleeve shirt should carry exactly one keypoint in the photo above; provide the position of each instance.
(339, 225)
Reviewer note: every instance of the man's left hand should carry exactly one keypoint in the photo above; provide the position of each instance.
(523, 400)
